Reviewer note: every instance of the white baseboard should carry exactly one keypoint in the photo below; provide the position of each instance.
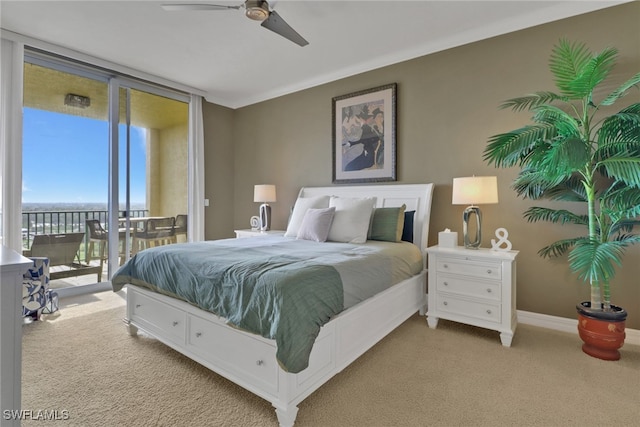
(567, 325)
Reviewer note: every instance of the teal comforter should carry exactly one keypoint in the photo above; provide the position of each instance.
(266, 290)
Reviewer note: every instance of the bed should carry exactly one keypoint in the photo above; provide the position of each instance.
(345, 326)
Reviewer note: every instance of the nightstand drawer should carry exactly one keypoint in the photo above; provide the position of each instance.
(469, 308)
(487, 270)
(460, 285)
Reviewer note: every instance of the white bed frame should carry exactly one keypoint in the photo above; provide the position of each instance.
(249, 360)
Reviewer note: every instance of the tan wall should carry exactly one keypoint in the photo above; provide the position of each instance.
(167, 171)
(174, 170)
(219, 171)
(447, 109)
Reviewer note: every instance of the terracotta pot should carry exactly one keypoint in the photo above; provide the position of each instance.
(602, 332)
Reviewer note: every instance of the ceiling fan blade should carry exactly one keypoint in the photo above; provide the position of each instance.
(276, 24)
(172, 7)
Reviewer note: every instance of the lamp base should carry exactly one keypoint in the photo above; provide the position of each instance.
(265, 217)
(475, 244)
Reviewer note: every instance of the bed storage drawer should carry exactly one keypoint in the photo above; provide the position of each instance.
(158, 317)
(254, 359)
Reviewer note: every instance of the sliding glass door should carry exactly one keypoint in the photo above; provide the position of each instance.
(65, 171)
(153, 168)
(100, 156)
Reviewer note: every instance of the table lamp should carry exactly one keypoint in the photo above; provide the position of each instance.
(474, 190)
(264, 194)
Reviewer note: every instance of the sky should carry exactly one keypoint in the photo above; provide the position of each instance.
(65, 159)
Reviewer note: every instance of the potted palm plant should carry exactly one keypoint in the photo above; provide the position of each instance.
(578, 149)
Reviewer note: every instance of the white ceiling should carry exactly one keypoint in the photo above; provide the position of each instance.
(236, 62)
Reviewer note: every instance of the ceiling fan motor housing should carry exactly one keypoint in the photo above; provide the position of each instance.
(258, 10)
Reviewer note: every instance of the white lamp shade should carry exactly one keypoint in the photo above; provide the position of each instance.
(475, 190)
(264, 193)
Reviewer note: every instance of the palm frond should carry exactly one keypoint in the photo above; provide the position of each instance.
(569, 190)
(534, 184)
(593, 73)
(565, 156)
(566, 64)
(595, 261)
(621, 202)
(625, 169)
(531, 101)
(621, 90)
(559, 248)
(556, 216)
(621, 230)
(619, 132)
(509, 149)
(564, 122)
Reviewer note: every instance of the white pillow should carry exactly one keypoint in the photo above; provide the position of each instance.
(316, 224)
(300, 208)
(351, 220)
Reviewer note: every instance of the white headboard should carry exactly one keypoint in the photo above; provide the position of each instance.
(415, 196)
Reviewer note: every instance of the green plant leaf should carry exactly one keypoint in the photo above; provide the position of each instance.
(593, 73)
(531, 101)
(556, 216)
(559, 248)
(566, 64)
(625, 169)
(622, 90)
(595, 261)
(511, 148)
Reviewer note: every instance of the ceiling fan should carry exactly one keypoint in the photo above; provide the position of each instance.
(258, 10)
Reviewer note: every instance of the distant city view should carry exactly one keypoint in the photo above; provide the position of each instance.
(68, 206)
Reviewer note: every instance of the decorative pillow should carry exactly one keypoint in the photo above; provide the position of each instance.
(387, 224)
(407, 231)
(316, 224)
(300, 208)
(351, 220)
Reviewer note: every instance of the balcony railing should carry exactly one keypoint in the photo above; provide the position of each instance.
(59, 222)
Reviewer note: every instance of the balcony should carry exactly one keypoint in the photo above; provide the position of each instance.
(36, 222)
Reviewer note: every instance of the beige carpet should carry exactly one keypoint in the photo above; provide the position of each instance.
(83, 361)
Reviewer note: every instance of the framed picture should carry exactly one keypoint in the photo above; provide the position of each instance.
(364, 136)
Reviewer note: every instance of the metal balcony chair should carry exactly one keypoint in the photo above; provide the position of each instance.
(180, 228)
(97, 234)
(154, 232)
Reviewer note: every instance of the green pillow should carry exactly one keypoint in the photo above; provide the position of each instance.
(387, 224)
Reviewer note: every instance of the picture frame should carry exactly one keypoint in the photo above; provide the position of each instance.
(364, 136)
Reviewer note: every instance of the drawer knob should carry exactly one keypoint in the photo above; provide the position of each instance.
(488, 311)
(445, 303)
(175, 323)
(446, 284)
(446, 266)
(138, 305)
(489, 290)
(488, 271)
(198, 334)
(259, 362)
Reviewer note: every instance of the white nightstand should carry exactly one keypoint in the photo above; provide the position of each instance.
(253, 233)
(473, 286)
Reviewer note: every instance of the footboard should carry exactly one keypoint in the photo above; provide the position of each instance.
(250, 360)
